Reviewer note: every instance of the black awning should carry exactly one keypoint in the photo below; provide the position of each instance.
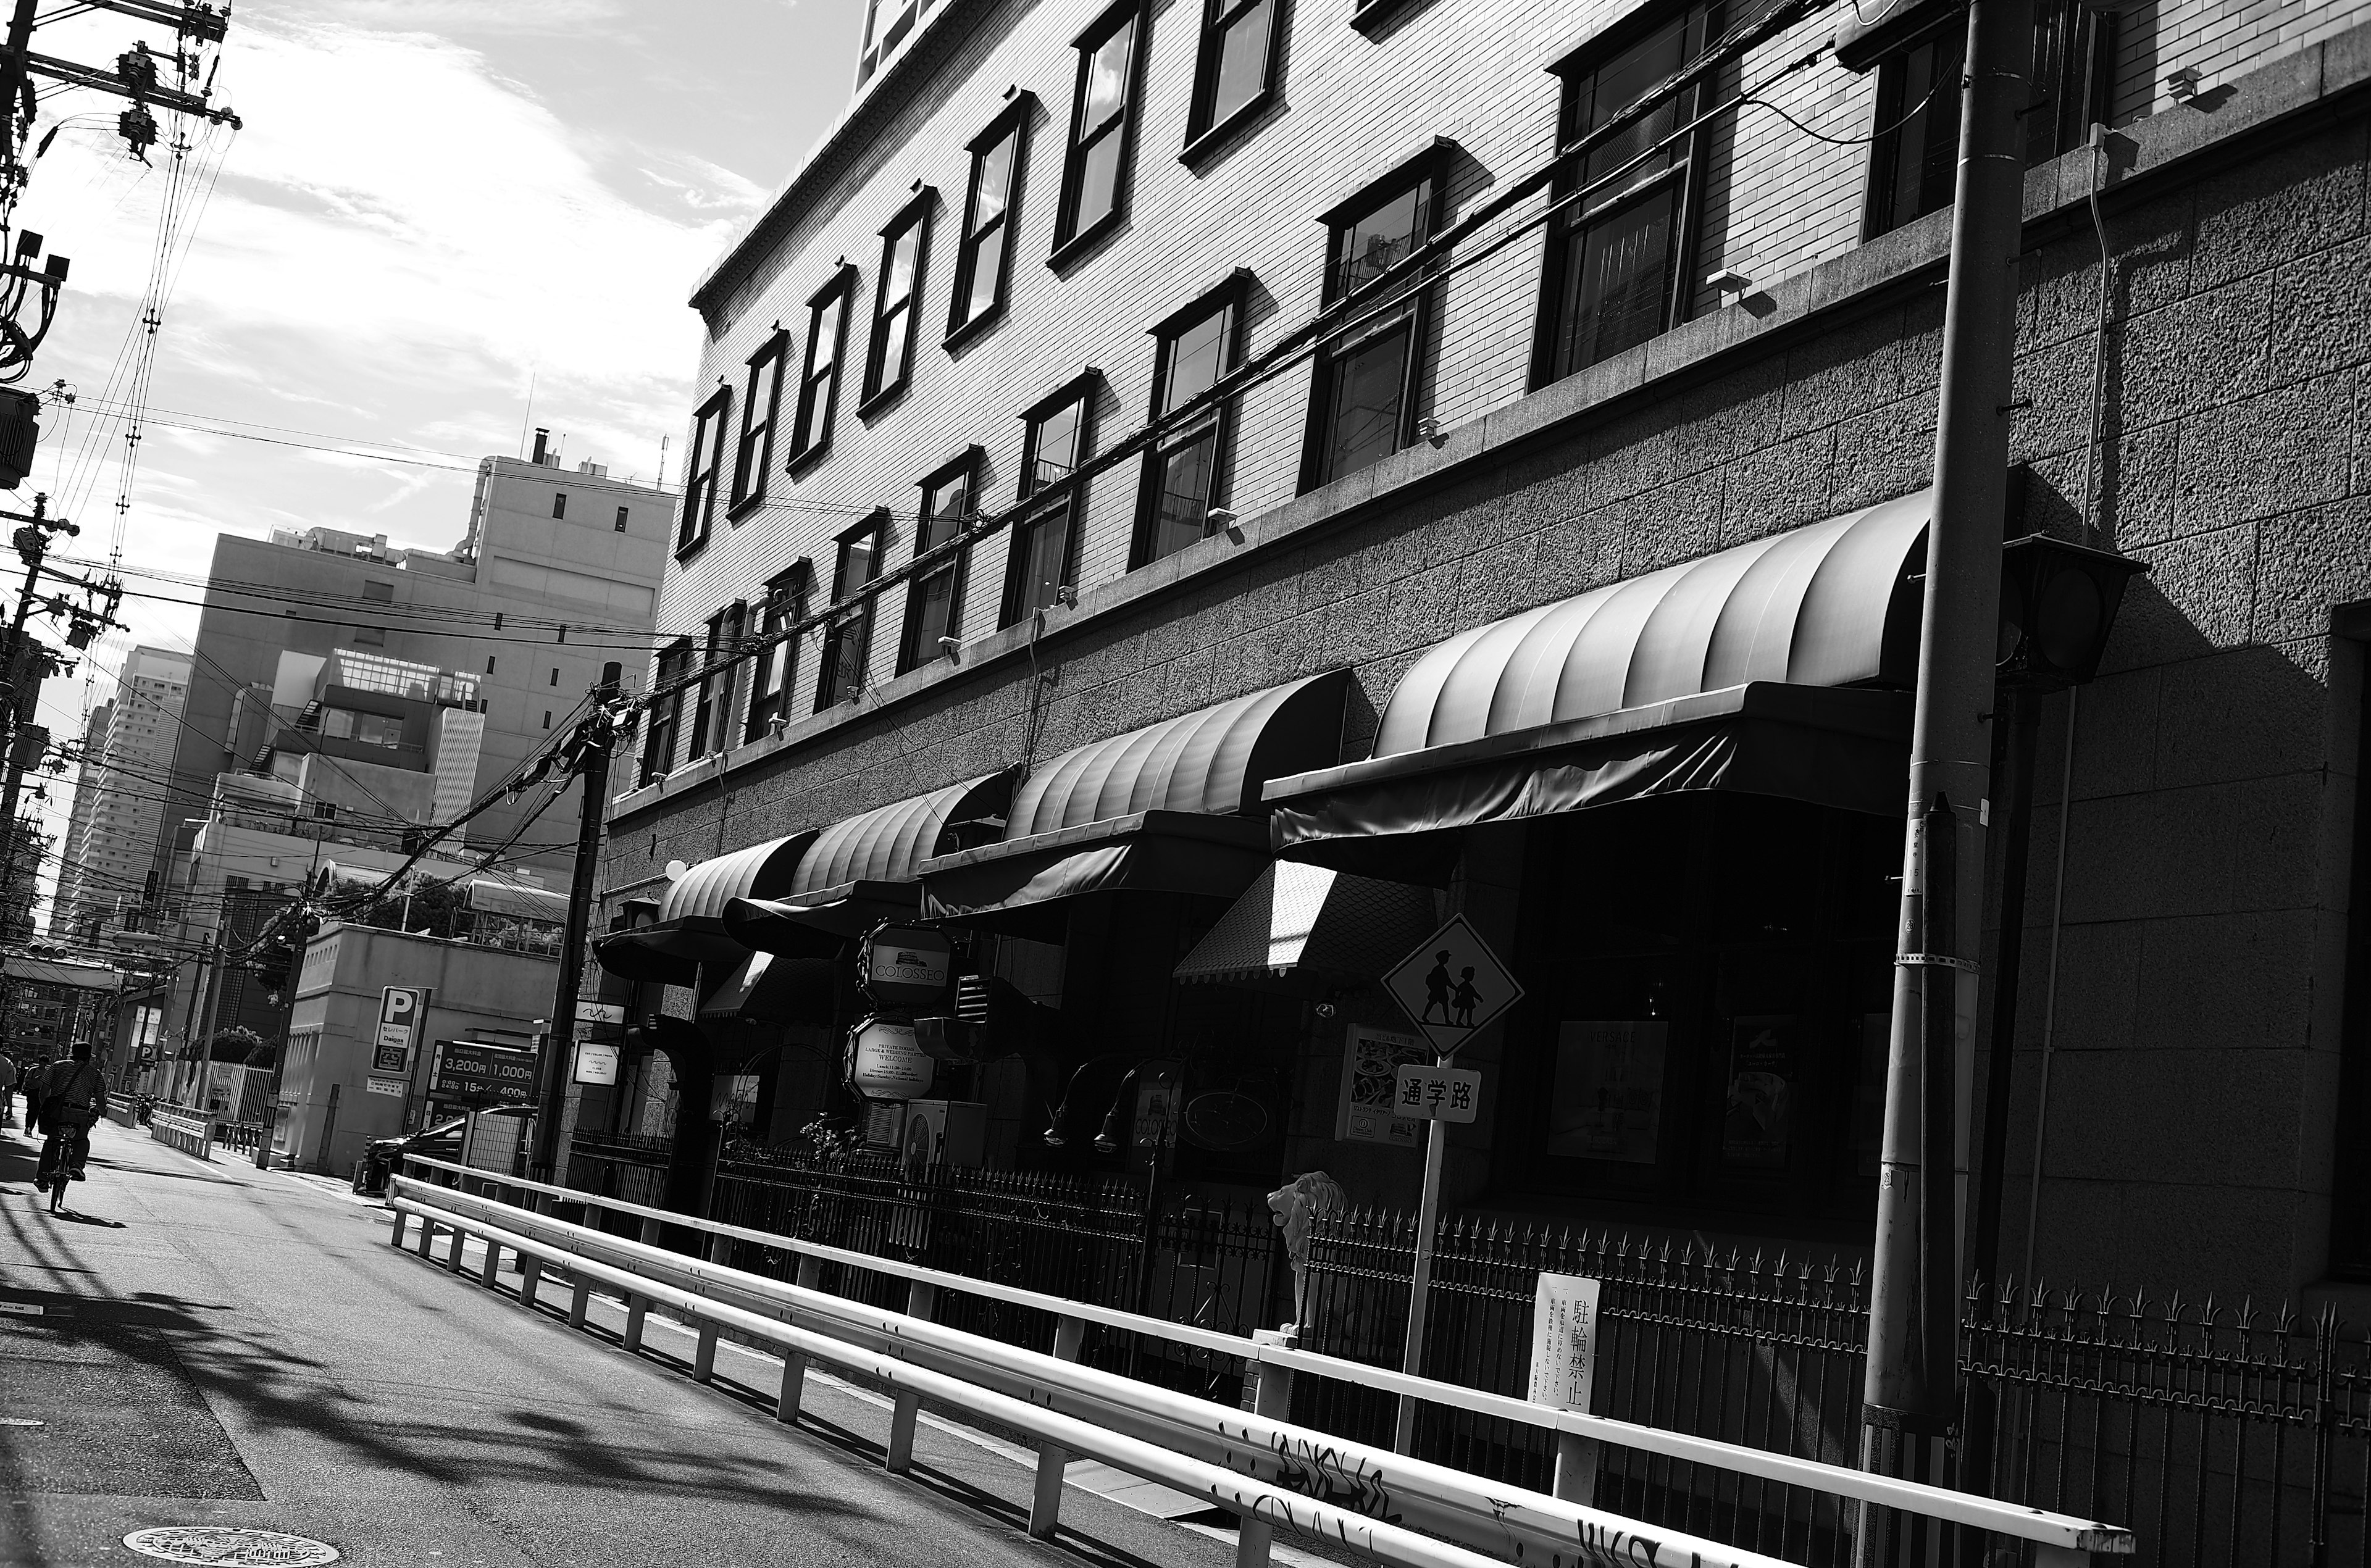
(670, 952)
(1177, 852)
(1310, 931)
(765, 987)
(1845, 748)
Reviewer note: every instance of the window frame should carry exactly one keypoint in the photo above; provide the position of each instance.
(711, 718)
(660, 735)
(701, 471)
(1683, 180)
(753, 454)
(1081, 389)
(1427, 170)
(1011, 122)
(1206, 129)
(811, 435)
(1070, 239)
(966, 466)
(854, 609)
(913, 218)
(1230, 296)
(775, 672)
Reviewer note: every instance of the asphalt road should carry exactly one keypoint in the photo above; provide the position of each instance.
(221, 1345)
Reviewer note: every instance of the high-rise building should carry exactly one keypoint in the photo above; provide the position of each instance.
(119, 805)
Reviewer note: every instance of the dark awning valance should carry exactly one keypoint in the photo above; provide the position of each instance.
(1187, 852)
(863, 871)
(765, 987)
(1724, 674)
(1310, 930)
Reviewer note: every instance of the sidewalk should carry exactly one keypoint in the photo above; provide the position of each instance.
(243, 1347)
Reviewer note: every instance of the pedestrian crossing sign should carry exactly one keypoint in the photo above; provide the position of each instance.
(1452, 987)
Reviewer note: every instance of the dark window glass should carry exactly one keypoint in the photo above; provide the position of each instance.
(776, 665)
(1364, 389)
(1613, 255)
(934, 599)
(712, 720)
(819, 381)
(755, 453)
(1237, 63)
(621, 520)
(699, 471)
(1183, 475)
(1093, 181)
(892, 357)
(847, 641)
(986, 252)
(666, 710)
(1043, 543)
(560, 504)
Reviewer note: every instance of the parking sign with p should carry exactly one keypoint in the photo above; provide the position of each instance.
(401, 1010)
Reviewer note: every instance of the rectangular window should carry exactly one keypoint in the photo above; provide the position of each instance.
(754, 454)
(1363, 395)
(700, 472)
(984, 253)
(547, 717)
(1914, 163)
(1617, 257)
(1103, 127)
(1185, 472)
(777, 663)
(370, 636)
(666, 710)
(712, 717)
(621, 520)
(904, 243)
(377, 593)
(1056, 440)
(848, 640)
(559, 505)
(555, 676)
(1235, 74)
(934, 598)
(820, 382)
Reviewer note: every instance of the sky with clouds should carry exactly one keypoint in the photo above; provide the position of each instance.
(432, 206)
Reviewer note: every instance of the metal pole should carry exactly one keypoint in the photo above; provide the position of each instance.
(595, 776)
(1428, 1220)
(12, 75)
(1912, 1365)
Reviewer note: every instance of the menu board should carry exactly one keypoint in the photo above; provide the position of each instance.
(1372, 1059)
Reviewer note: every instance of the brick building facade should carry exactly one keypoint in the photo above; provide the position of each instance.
(1777, 370)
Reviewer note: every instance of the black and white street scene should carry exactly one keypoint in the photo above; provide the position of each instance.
(1182, 783)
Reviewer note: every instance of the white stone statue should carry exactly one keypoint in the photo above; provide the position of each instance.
(1291, 1205)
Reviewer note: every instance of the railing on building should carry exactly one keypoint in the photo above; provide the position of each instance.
(2234, 1440)
(631, 1166)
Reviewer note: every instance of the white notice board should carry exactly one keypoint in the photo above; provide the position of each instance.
(1564, 1341)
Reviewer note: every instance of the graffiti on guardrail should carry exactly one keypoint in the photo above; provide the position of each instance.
(1321, 1471)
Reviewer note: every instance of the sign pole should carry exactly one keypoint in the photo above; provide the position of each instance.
(1428, 1220)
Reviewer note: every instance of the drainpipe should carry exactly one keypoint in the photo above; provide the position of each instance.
(1910, 1397)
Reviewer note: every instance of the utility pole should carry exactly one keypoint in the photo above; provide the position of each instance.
(593, 740)
(1911, 1395)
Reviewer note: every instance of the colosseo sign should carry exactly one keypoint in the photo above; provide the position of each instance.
(884, 1063)
(906, 966)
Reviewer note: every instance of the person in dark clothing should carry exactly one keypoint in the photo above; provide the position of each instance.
(73, 1096)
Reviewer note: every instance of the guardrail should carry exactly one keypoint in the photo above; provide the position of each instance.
(182, 1127)
(1254, 1463)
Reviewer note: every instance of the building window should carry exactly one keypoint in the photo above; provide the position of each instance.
(559, 505)
(1235, 75)
(1913, 164)
(370, 636)
(700, 472)
(1103, 128)
(1058, 438)
(848, 640)
(777, 662)
(711, 718)
(666, 710)
(1363, 396)
(888, 23)
(984, 253)
(755, 454)
(547, 717)
(368, 729)
(1617, 260)
(934, 598)
(889, 360)
(555, 675)
(621, 520)
(820, 382)
(490, 663)
(375, 593)
(1185, 473)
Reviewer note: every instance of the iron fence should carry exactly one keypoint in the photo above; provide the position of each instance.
(631, 1166)
(2223, 1439)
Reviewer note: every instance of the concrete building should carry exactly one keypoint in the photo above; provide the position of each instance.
(1567, 588)
(118, 806)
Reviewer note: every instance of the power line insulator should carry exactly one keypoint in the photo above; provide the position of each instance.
(138, 129)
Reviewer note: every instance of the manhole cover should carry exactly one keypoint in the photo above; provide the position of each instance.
(229, 1545)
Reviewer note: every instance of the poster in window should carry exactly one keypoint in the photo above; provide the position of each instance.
(1608, 1098)
(1372, 1059)
(1759, 1118)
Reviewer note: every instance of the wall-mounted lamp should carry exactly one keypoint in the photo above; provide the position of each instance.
(1223, 521)
(1728, 283)
(950, 648)
(2184, 84)
(1067, 596)
(1427, 429)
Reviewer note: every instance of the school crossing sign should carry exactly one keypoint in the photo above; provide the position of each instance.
(1452, 987)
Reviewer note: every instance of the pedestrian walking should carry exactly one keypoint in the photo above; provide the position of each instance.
(7, 1088)
(74, 1096)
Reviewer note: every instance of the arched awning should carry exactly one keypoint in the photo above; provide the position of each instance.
(762, 871)
(865, 870)
(1311, 931)
(1171, 807)
(691, 931)
(1777, 667)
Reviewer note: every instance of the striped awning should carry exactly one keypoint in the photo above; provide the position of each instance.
(762, 871)
(1310, 930)
(866, 868)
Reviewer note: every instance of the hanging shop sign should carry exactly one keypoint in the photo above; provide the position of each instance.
(906, 966)
(596, 1062)
(884, 1063)
(402, 1010)
(1452, 987)
(1438, 1094)
(470, 1073)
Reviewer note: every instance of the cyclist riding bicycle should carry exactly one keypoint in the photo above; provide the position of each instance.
(73, 1096)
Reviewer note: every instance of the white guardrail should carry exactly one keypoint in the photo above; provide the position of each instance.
(1252, 1463)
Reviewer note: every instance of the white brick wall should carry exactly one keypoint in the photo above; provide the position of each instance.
(1475, 71)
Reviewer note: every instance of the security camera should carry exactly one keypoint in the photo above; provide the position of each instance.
(1225, 522)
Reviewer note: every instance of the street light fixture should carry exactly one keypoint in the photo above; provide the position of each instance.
(2058, 603)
